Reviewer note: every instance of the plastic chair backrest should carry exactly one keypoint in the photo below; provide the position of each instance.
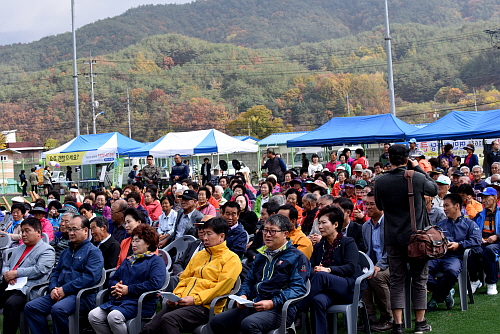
(45, 237)
(166, 258)
(4, 240)
(179, 245)
(364, 262)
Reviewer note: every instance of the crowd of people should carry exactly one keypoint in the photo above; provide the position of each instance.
(293, 227)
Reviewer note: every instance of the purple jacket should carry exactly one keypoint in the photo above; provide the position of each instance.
(106, 212)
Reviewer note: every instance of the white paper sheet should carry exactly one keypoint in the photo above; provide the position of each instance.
(241, 301)
(20, 283)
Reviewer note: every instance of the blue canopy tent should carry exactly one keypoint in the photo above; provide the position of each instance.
(461, 125)
(277, 139)
(355, 130)
(97, 148)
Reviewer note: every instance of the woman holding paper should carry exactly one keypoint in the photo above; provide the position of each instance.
(335, 267)
(142, 272)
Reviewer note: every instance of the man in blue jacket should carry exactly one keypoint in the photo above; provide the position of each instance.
(80, 266)
(237, 237)
(279, 273)
(488, 221)
(462, 233)
(179, 171)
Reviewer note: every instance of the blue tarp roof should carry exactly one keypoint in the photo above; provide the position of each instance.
(243, 138)
(356, 130)
(462, 125)
(102, 141)
(280, 138)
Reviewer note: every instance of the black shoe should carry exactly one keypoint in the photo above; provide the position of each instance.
(382, 327)
(422, 327)
(397, 329)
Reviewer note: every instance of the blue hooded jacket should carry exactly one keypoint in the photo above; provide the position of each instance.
(279, 278)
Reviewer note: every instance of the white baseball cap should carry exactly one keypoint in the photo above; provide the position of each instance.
(443, 179)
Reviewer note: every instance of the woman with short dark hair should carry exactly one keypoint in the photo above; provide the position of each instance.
(143, 271)
(335, 267)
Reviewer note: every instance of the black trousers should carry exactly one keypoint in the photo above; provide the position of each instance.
(248, 321)
(34, 188)
(12, 302)
(176, 320)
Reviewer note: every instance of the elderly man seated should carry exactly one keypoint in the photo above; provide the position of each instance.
(80, 266)
(33, 260)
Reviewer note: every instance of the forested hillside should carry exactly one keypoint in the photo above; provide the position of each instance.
(178, 83)
(249, 23)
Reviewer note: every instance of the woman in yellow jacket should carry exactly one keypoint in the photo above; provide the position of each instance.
(210, 273)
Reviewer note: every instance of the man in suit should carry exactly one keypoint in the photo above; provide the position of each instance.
(206, 171)
(187, 216)
(378, 283)
(350, 228)
(34, 259)
(109, 247)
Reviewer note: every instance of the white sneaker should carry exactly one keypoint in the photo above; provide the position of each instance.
(492, 289)
(475, 285)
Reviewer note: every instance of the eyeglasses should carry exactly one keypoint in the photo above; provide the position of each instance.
(271, 232)
(74, 229)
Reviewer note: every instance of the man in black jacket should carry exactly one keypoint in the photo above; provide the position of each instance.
(206, 171)
(391, 196)
(108, 245)
(350, 228)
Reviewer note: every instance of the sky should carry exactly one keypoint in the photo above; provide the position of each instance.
(23, 21)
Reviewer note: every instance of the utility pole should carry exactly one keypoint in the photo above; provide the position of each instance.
(475, 98)
(94, 103)
(128, 110)
(248, 129)
(348, 104)
(75, 71)
(388, 51)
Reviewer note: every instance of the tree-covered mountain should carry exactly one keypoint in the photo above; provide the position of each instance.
(249, 23)
(178, 83)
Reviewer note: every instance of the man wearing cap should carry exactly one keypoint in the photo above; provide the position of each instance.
(414, 150)
(187, 216)
(493, 156)
(455, 178)
(391, 196)
(478, 184)
(443, 183)
(274, 165)
(75, 192)
(488, 221)
(462, 233)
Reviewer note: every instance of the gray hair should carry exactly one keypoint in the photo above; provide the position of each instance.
(370, 173)
(328, 197)
(465, 168)
(282, 222)
(68, 213)
(100, 222)
(310, 197)
(279, 200)
(496, 163)
(477, 166)
(219, 188)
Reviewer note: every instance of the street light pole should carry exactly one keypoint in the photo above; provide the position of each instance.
(388, 51)
(95, 117)
(75, 71)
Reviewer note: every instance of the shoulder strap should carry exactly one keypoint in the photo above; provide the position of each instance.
(411, 199)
